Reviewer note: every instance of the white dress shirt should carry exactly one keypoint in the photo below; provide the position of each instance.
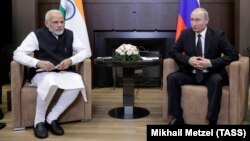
(203, 35)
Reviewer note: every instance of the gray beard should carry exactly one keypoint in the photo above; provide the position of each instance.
(57, 33)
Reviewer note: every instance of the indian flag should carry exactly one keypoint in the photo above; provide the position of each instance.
(75, 19)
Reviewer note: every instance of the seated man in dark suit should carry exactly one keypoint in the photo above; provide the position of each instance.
(206, 53)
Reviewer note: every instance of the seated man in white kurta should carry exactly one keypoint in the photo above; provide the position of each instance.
(52, 47)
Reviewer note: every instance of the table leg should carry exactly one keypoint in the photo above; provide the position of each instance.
(128, 86)
(128, 111)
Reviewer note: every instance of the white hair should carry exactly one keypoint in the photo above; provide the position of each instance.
(51, 12)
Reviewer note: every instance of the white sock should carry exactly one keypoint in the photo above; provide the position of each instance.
(67, 97)
(41, 108)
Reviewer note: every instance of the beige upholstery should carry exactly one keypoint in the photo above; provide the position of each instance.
(194, 98)
(24, 98)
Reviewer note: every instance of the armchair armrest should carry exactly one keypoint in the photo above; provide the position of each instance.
(169, 66)
(17, 75)
(85, 70)
(17, 82)
(238, 87)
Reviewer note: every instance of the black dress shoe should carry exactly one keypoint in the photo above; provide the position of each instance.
(2, 125)
(211, 122)
(56, 128)
(41, 131)
(177, 121)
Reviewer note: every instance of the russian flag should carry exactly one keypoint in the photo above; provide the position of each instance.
(185, 9)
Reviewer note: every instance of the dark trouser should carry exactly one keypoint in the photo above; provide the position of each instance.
(214, 83)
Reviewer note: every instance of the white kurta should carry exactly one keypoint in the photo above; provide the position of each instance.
(49, 82)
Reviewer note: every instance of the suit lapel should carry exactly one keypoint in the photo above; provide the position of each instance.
(207, 41)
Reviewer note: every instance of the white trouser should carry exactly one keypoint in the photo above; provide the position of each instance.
(67, 97)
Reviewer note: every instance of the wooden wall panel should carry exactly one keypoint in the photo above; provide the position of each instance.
(221, 14)
(242, 29)
(43, 7)
(24, 19)
(222, 17)
(167, 18)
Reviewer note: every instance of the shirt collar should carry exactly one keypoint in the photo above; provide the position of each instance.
(203, 33)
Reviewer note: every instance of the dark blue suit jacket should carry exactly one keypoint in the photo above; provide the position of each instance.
(217, 49)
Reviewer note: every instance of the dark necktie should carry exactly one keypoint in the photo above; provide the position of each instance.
(199, 74)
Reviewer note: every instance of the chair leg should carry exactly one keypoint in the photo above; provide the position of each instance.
(0, 92)
(9, 100)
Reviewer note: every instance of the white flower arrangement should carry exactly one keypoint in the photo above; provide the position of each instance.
(127, 52)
